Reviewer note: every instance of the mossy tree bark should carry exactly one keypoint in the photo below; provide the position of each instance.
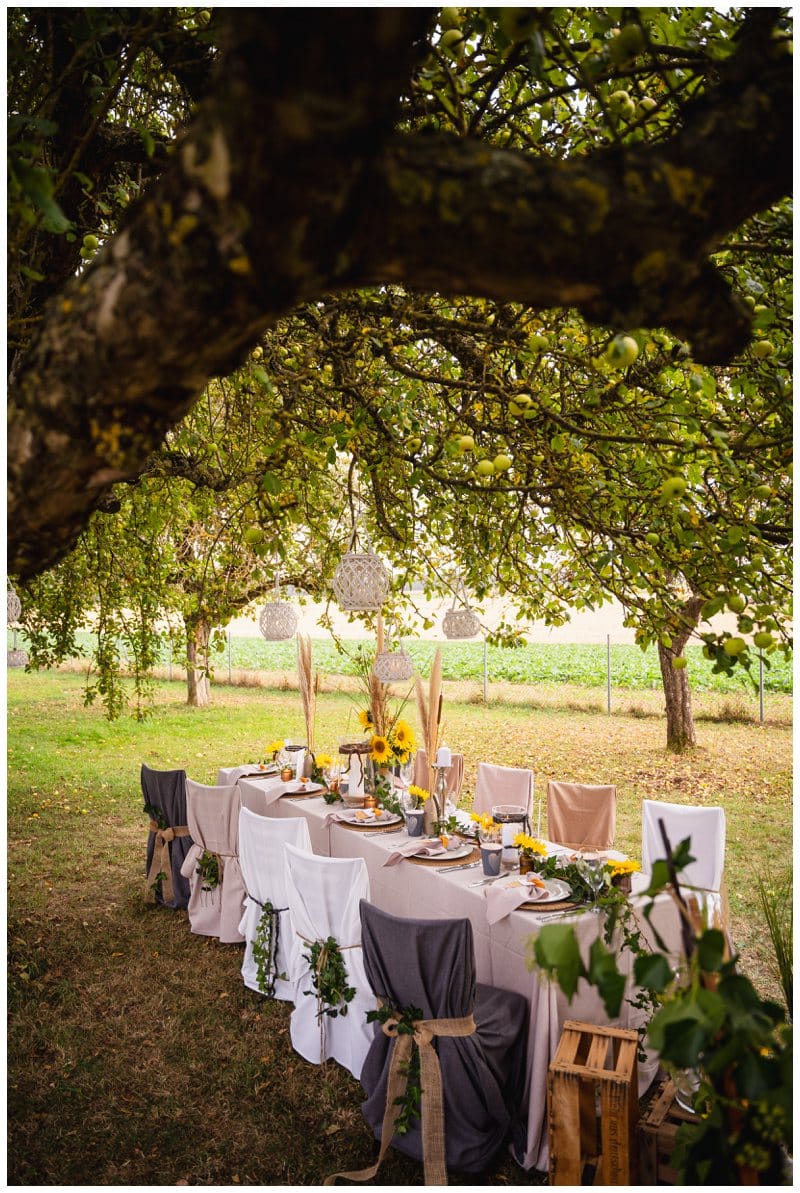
(681, 735)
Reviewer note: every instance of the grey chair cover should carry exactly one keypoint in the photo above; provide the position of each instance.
(166, 790)
(430, 964)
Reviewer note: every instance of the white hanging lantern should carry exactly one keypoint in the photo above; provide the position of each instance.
(360, 582)
(16, 658)
(392, 666)
(14, 607)
(461, 623)
(278, 619)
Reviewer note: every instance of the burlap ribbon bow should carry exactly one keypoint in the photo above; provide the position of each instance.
(161, 863)
(432, 1109)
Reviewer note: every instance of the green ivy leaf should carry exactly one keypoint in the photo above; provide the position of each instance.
(653, 971)
(556, 949)
(603, 974)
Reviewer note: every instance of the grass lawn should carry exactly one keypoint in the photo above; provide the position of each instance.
(136, 1054)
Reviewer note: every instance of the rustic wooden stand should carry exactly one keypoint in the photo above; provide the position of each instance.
(657, 1130)
(593, 1063)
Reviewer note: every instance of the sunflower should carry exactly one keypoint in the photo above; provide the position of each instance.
(403, 736)
(379, 749)
(365, 718)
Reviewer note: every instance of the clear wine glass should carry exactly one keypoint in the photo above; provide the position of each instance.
(591, 871)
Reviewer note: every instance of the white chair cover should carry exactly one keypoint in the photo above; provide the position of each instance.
(705, 826)
(323, 894)
(212, 814)
(261, 856)
(503, 785)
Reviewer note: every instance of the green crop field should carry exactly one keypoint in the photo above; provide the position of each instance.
(580, 665)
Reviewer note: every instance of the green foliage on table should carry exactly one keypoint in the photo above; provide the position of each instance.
(709, 1018)
(329, 978)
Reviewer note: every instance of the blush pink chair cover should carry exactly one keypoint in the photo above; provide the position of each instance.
(323, 894)
(212, 814)
(503, 785)
(581, 815)
(261, 856)
(455, 775)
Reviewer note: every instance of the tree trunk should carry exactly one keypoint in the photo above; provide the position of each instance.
(681, 734)
(198, 685)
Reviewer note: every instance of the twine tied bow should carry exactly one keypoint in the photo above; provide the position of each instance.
(432, 1103)
(161, 863)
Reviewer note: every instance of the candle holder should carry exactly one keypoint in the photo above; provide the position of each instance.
(439, 795)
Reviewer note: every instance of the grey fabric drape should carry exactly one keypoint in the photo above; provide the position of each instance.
(430, 964)
(166, 790)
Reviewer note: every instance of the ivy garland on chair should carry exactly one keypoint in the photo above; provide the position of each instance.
(411, 1100)
(329, 978)
(208, 869)
(265, 948)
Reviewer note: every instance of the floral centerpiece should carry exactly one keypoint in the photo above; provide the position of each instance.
(487, 828)
(531, 852)
(418, 795)
(274, 748)
(320, 765)
(619, 873)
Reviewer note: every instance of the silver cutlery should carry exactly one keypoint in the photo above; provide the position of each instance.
(484, 881)
(462, 866)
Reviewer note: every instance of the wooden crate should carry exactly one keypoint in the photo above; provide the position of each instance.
(594, 1067)
(658, 1128)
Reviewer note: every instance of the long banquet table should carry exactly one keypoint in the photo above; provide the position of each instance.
(501, 950)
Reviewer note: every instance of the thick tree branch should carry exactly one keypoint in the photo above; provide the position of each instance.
(291, 183)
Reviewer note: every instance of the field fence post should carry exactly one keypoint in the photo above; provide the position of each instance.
(169, 662)
(229, 655)
(485, 672)
(761, 687)
(608, 672)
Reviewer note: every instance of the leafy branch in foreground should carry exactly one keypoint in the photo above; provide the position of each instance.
(710, 1019)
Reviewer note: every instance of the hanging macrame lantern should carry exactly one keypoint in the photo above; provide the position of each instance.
(278, 619)
(392, 666)
(14, 657)
(360, 582)
(460, 623)
(14, 607)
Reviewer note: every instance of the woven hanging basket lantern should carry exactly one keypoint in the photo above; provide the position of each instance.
(16, 658)
(360, 582)
(278, 619)
(392, 666)
(14, 607)
(461, 623)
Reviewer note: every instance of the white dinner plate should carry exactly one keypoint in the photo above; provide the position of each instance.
(445, 855)
(556, 889)
(360, 817)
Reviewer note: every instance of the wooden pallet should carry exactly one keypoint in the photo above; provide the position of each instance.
(594, 1069)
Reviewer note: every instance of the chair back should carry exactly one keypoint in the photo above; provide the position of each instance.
(430, 965)
(262, 860)
(164, 791)
(705, 827)
(422, 776)
(323, 894)
(503, 785)
(213, 818)
(581, 815)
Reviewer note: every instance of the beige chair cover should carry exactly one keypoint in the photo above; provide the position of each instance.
(213, 817)
(503, 785)
(581, 815)
(455, 775)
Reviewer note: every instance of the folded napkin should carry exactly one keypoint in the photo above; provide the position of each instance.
(413, 848)
(502, 900)
(343, 816)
